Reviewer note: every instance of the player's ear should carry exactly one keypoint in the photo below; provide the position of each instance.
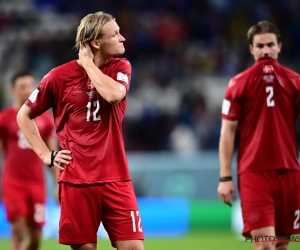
(279, 46)
(95, 44)
(251, 49)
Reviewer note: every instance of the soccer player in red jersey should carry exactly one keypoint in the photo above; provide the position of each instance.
(263, 103)
(23, 183)
(89, 97)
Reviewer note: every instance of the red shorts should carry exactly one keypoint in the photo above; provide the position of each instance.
(271, 198)
(83, 207)
(23, 200)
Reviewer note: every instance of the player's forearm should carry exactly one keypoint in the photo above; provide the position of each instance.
(31, 133)
(109, 89)
(226, 149)
(51, 143)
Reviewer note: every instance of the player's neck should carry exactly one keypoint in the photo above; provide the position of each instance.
(100, 62)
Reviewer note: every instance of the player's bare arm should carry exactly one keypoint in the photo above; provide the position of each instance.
(52, 145)
(226, 189)
(111, 90)
(31, 133)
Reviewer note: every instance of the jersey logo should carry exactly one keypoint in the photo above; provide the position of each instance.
(122, 77)
(89, 84)
(33, 95)
(268, 78)
(91, 91)
(91, 94)
(268, 69)
(226, 107)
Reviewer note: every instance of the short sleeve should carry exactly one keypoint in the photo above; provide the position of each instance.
(231, 106)
(43, 97)
(122, 73)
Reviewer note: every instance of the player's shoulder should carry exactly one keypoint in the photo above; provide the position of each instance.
(240, 78)
(291, 74)
(63, 70)
(119, 62)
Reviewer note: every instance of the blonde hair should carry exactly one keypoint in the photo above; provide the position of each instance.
(91, 27)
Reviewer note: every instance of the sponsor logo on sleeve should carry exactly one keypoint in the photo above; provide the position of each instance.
(33, 95)
(226, 107)
(122, 77)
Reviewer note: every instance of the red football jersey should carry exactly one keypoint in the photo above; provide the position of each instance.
(265, 99)
(21, 163)
(86, 124)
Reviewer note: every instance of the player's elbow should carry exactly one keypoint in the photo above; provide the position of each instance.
(19, 117)
(117, 96)
(23, 115)
(114, 100)
(228, 127)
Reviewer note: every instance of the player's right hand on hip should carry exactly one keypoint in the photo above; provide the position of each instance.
(62, 157)
(226, 192)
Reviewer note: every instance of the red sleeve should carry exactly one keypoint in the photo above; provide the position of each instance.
(43, 97)
(121, 73)
(231, 107)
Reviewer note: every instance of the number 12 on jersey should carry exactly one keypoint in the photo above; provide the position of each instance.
(270, 102)
(96, 106)
(136, 226)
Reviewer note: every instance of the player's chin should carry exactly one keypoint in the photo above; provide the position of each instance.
(120, 52)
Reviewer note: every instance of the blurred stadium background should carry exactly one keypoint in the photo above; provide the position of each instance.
(183, 52)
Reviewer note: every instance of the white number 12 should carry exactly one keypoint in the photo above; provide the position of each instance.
(96, 105)
(139, 226)
(270, 102)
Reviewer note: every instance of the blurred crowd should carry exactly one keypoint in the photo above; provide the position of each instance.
(171, 44)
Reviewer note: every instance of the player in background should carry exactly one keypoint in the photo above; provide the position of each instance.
(89, 97)
(23, 183)
(263, 102)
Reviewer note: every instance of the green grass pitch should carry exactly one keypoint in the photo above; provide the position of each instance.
(209, 240)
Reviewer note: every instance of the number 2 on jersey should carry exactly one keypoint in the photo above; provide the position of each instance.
(270, 102)
(96, 116)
